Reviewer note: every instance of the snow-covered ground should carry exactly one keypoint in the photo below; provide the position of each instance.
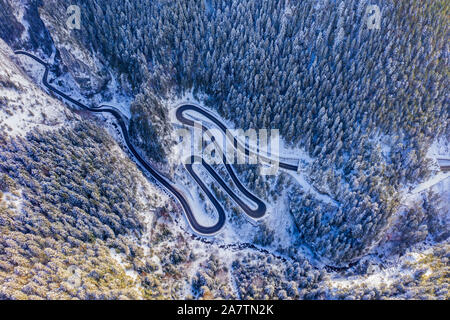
(287, 153)
(300, 178)
(189, 189)
(399, 268)
(26, 106)
(238, 231)
(439, 149)
(18, 7)
(121, 258)
(296, 155)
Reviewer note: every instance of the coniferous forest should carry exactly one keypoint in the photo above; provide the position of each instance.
(311, 69)
(366, 107)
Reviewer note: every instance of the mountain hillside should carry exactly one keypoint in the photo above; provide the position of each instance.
(362, 114)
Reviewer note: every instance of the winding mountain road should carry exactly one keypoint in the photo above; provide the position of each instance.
(196, 226)
(160, 178)
(189, 107)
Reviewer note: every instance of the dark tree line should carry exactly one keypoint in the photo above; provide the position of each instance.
(366, 104)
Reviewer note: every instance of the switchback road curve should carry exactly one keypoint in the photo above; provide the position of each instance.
(257, 213)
